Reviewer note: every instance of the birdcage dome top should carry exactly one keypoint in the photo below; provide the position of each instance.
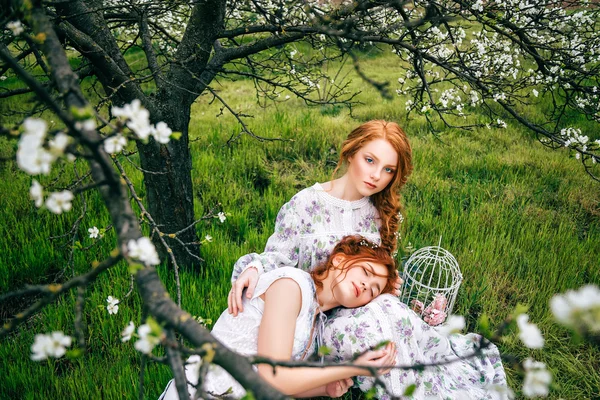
(434, 267)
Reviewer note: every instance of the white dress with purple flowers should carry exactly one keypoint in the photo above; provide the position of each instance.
(353, 331)
(306, 230)
(308, 227)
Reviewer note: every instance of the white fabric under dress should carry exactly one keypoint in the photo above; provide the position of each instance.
(352, 331)
(240, 334)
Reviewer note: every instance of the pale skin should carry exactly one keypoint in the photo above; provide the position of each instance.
(283, 299)
(369, 171)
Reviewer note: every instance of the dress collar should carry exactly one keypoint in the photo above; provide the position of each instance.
(339, 202)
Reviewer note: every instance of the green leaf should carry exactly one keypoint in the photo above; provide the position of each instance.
(520, 309)
(381, 344)
(324, 351)
(82, 114)
(155, 328)
(134, 268)
(249, 396)
(484, 326)
(370, 394)
(176, 135)
(74, 353)
(410, 390)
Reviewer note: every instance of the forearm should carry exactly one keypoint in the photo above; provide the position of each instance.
(293, 381)
(317, 392)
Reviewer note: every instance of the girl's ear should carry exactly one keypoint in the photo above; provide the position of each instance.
(337, 259)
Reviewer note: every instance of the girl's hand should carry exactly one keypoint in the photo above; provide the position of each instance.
(397, 285)
(338, 388)
(385, 357)
(248, 279)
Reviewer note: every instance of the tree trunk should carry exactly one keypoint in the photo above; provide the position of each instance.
(168, 182)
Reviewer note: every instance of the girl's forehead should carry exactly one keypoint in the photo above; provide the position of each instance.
(382, 149)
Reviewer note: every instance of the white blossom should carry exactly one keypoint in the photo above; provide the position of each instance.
(578, 309)
(147, 340)
(208, 238)
(529, 333)
(58, 202)
(31, 156)
(3, 78)
(53, 345)
(128, 332)
(93, 231)
(222, 217)
(140, 125)
(143, 250)
(162, 133)
(36, 192)
(478, 6)
(501, 123)
(87, 125)
(113, 305)
(115, 144)
(138, 118)
(15, 27)
(535, 92)
(454, 324)
(58, 145)
(537, 379)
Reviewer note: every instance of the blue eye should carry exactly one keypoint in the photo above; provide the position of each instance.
(389, 170)
(369, 160)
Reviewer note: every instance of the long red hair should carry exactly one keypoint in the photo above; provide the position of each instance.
(387, 202)
(355, 248)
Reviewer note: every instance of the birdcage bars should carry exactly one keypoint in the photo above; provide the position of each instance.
(432, 277)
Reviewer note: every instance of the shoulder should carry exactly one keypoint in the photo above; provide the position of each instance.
(300, 200)
(293, 278)
(306, 193)
(284, 294)
(291, 273)
(286, 285)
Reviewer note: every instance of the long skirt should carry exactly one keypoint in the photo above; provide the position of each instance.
(352, 331)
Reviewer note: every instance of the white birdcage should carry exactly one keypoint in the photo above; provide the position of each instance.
(431, 281)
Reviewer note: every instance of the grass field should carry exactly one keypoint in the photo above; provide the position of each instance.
(523, 222)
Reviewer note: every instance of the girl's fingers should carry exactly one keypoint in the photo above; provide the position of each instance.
(231, 307)
(377, 354)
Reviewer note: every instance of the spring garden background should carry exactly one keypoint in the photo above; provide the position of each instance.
(522, 220)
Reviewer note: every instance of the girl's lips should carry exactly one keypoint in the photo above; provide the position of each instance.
(356, 290)
(370, 185)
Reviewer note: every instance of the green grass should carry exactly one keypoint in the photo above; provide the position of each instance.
(522, 221)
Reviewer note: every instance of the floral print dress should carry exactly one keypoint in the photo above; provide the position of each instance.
(308, 227)
(352, 331)
(306, 230)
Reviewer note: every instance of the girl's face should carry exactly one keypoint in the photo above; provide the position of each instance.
(373, 167)
(359, 283)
